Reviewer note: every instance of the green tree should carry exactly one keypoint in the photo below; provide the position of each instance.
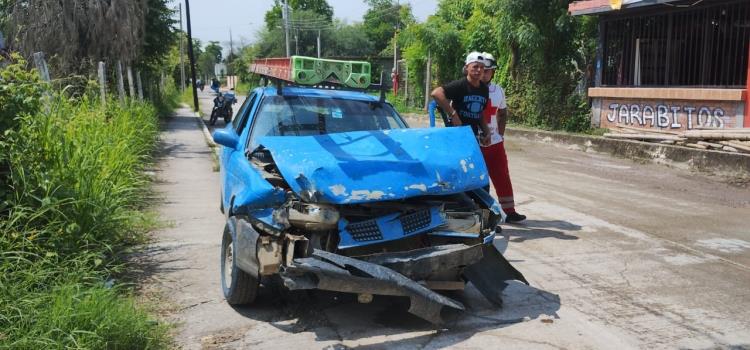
(214, 51)
(241, 66)
(542, 51)
(208, 58)
(273, 16)
(270, 43)
(538, 43)
(456, 12)
(381, 20)
(347, 41)
(160, 33)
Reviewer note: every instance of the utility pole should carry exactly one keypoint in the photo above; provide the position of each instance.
(191, 56)
(318, 43)
(230, 68)
(285, 15)
(182, 65)
(395, 51)
(296, 41)
(395, 36)
(428, 80)
(231, 45)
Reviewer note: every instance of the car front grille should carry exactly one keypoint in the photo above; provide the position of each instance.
(365, 231)
(415, 221)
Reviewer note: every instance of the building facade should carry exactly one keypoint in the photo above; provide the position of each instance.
(670, 65)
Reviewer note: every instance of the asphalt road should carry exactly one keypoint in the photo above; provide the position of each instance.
(620, 255)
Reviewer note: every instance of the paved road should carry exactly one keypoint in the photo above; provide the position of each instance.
(620, 255)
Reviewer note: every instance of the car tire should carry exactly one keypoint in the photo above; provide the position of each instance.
(239, 287)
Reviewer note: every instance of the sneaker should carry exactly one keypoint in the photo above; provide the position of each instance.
(514, 217)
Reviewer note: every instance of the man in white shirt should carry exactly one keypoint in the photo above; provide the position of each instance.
(495, 115)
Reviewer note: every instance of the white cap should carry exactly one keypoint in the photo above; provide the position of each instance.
(489, 61)
(474, 56)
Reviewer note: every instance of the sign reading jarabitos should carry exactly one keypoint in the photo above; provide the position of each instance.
(675, 115)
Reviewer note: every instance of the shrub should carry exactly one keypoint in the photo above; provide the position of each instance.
(74, 191)
(20, 92)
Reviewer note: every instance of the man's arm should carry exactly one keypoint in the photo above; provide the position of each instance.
(439, 95)
(502, 117)
(485, 140)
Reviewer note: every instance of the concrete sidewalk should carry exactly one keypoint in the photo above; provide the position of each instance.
(187, 252)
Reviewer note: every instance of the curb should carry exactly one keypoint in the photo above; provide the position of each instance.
(206, 132)
(215, 149)
(682, 157)
(693, 159)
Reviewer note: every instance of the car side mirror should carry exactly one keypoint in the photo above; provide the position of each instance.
(226, 138)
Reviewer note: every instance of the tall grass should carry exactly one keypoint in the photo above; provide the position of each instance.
(186, 96)
(167, 99)
(76, 188)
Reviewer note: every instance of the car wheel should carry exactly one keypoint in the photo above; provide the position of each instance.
(239, 287)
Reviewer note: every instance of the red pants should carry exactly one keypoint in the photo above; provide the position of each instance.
(497, 165)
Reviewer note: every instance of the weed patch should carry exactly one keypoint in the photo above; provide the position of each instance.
(72, 209)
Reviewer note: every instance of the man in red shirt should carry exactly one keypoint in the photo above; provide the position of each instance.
(495, 115)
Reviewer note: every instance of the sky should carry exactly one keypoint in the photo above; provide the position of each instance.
(212, 19)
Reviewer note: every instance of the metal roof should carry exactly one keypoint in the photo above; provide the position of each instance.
(590, 7)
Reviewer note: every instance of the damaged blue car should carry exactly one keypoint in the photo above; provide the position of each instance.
(329, 189)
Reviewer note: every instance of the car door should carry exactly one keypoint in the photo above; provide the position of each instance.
(229, 156)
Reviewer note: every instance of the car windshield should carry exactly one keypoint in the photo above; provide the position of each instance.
(302, 116)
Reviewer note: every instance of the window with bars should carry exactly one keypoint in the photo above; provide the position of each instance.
(705, 45)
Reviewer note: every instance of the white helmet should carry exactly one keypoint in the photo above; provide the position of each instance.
(489, 61)
(474, 56)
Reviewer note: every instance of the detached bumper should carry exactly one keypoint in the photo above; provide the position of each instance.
(386, 274)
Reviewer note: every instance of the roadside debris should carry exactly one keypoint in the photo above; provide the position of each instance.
(727, 140)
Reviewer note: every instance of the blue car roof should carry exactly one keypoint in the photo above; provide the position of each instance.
(317, 92)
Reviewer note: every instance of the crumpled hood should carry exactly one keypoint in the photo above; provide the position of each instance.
(367, 166)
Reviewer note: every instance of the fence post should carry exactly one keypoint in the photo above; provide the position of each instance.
(120, 82)
(41, 65)
(102, 83)
(140, 85)
(428, 81)
(131, 83)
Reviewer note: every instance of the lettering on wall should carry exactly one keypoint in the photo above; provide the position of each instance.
(681, 115)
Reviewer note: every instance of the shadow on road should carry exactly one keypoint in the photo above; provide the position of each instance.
(339, 317)
(538, 229)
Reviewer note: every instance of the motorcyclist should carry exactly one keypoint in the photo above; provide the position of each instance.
(230, 96)
(223, 106)
(215, 85)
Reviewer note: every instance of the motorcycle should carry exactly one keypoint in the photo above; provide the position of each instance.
(223, 107)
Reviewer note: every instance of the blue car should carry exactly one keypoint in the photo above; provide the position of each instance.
(329, 189)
